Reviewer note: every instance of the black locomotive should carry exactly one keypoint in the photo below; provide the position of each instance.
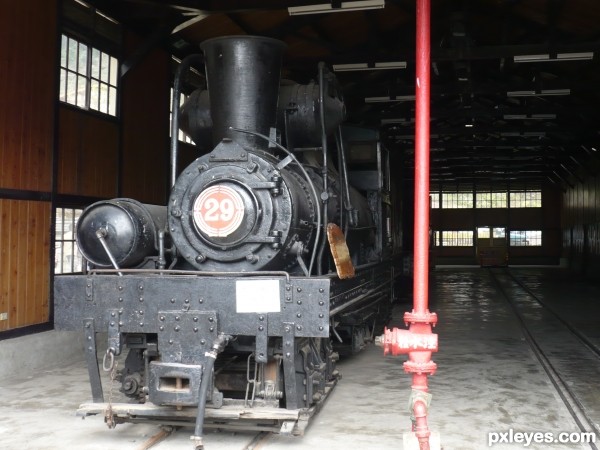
(234, 301)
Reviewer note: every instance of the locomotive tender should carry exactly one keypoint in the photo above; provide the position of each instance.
(225, 307)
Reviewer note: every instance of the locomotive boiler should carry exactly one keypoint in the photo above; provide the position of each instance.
(231, 304)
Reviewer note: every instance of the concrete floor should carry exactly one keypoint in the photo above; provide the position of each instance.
(488, 381)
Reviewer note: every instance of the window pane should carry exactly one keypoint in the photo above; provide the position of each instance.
(181, 135)
(94, 94)
(499, 232)
(114, 68)
(499, 200)
(104, 67)
(63, 51)
(103, 107)
(81, 88)
(95, 63)
(483, 232)
(58, 225)
(112, 101)
(71, 88)
(72, 56)
(83, 50)
(63, 83)
(58, 258)
(68, 256)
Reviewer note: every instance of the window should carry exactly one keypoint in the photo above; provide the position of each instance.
(491, 200)
(88, 77)
(67, 258)
(499, 232)
(525, 238)
(499, 199)
(182, 136)
(526, 199)
(457, 238)
(491, 232)
(483, 233)
(456, 200)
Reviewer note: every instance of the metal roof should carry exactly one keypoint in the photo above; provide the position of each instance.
(515, 83)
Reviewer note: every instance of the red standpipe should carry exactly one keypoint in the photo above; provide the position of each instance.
(419, 341)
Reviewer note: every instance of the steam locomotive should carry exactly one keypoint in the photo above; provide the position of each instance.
(274, 255)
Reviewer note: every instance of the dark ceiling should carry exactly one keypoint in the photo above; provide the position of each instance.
(494, 119)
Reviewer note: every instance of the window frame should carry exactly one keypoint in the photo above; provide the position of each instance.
(526, 238)
(530, 198)
(456, 200)
(521, 198)
(454, 238)
(181, 136)
(491, 199)
(60, 241)
(101, 90)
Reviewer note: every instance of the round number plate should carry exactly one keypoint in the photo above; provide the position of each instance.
(218, 211)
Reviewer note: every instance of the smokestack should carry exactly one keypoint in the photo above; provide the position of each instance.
(243, 74)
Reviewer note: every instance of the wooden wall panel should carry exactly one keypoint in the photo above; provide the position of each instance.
(27, 94)
(24, 250)
(87, 154)
(145, 116)
(28, 55)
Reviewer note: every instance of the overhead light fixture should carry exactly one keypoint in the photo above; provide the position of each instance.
(545, 57)
(523, 134)
(532, 58)
(390, 98)
(367, 66)
(543, 92)
(401, 120)
(529, 117)
(520, 93)
(329, 7)
(555, 92)
(576, 56)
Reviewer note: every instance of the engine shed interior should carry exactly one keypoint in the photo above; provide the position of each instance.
(86, 114)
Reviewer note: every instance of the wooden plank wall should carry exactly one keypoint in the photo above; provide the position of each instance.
(145, 116)
(27, 98)
(88, 154)
(27, 61)
(24, 258)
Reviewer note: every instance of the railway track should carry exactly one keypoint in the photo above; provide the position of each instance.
(255, 442)
(537, 319)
